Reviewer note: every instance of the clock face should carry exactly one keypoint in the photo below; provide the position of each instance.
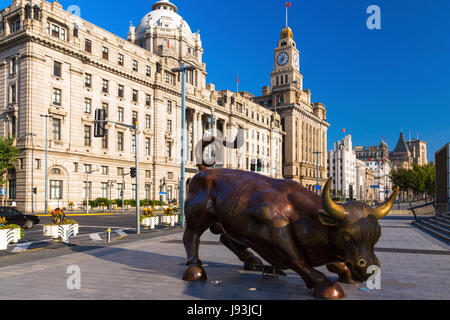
(282, 59)
(296, 60)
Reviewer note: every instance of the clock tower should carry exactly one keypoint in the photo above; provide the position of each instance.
(286, 74)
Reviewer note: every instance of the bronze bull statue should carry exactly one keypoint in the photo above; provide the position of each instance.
(287, 225)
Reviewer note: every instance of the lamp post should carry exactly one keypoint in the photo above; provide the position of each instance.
(318, 185)
(46, 116)
(32, 135)
(88, 193)
(110, 186)
(183, 69)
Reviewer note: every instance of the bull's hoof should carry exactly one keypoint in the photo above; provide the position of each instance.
(251, 263)
(329, 290)
(194, 273)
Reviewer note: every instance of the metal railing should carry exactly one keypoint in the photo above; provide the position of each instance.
(429, 209)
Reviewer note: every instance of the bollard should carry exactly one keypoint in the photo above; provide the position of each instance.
(108, 235)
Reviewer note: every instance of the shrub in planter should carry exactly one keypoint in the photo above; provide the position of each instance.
(149, 219)
(118, 202)
(9, 233)
(61, 227)
(132, 202)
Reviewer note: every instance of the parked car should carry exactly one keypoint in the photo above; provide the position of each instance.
(14, 216)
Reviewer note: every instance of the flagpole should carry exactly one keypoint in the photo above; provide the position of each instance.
(286, 15)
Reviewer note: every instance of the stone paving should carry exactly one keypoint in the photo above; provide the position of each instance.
(152, 269)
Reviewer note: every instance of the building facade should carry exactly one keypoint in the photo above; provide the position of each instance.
(342, 168)
(304, 122)
(53, 63)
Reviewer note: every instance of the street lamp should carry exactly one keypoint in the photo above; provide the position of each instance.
(182, 70)
(318, 185)
(46, 116)
(88, 193)
(32, 135)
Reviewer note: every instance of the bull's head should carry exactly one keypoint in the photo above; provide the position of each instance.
(355, 231)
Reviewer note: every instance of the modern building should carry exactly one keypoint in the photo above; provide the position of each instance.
(342, 168)
(443, 178)
(54, 63)
(304, 121)
(382, 185)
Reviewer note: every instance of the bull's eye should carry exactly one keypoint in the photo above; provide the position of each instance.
(347, 237)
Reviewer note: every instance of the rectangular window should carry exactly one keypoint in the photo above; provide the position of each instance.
(133, 143)
(120, 141)
(120, 91)
(169, 150)
(148, 191)
(135, 95)
(148, 71)
(105, 140)
(63, 34)
(147, 146)
(119, 190)
(169, 106)
(135, 65)
(134, 117)
(105, 170)
(12, 189)
(148, 121)
(119, 114)
(87, 168)
(56, 129)
(104, 190)
(87, 105)
(121, 59)
(75, 167)
(133, 191)
(55, 30)
(87, 190)
(87, 136)
(56, 190)
(56, 97)
(148, 174)
(13, 67)
(57, 67)
(169, 126)
(120, 171)
(105, 86)
(88, 45)
(105, 53)
(148, 100)
(105, 107)
(38, 164)
(13, 93)
(88, 80)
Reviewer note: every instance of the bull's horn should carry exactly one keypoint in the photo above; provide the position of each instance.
(329, 205)
(382, 210)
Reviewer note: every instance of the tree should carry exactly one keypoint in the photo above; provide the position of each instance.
(418, 181)
(8, 153)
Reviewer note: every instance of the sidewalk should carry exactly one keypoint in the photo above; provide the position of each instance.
(414, 266)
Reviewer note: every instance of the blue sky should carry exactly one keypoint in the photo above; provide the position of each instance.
(373, 82)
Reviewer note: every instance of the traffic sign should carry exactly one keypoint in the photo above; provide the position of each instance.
(3, 191)
(387, 191)
(317, 187)
(375, 187)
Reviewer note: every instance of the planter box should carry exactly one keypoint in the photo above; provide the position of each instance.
(65, 232)
(170, 220)
(8, 236)
(150, 222)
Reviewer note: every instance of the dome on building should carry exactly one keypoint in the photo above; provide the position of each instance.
(287, 33)
(164, 14)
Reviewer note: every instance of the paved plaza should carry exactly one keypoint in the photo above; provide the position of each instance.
(414, 266)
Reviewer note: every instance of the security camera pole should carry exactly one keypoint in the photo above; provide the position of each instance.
(100, 132)
(183, 69)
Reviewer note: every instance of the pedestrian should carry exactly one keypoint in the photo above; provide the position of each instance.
(13, 204)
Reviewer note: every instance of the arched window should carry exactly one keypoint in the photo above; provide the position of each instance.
(56, 171)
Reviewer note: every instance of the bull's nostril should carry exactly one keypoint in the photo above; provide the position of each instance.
(362, 263)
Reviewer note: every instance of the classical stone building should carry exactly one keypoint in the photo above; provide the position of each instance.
(418, 149)
(304, 122)
(372, 153)
(54, 63)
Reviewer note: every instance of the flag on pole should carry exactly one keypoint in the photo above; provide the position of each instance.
(288, 4)
(343, 130)
(237, 77)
